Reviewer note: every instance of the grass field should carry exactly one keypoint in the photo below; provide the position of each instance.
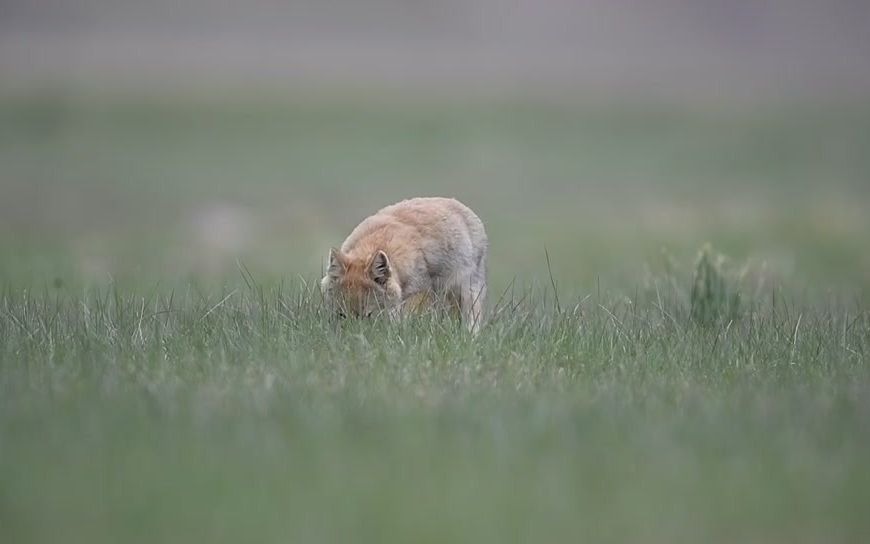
(167, 373)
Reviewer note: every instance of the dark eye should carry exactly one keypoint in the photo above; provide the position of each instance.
(369, 313)
(341, 314)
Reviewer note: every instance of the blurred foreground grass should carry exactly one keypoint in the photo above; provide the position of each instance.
(251, 415)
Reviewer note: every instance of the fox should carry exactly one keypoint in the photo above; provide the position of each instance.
(408, 255)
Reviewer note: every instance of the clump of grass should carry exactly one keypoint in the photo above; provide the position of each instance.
(715, 296)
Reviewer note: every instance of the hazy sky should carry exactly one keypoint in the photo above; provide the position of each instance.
(711, 47)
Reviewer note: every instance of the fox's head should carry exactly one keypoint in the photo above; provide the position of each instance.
(360, 287)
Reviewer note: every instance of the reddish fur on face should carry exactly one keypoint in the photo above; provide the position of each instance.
(356, 285)
(360, 285)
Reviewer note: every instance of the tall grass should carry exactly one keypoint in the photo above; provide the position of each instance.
(252, 414)
(528, 340)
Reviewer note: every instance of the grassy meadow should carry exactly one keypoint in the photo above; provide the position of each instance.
(167, 372)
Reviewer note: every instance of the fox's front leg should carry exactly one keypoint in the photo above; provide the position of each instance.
(417, 303)
(413, 305)
(395, 314)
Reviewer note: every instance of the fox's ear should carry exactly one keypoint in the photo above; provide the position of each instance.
(336, 264)
(381, 270)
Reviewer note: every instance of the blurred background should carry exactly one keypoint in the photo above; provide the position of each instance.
(158, 142)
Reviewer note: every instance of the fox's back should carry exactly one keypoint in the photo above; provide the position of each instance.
(435, 227)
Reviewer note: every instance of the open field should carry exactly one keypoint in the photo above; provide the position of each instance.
(151, 189)
(167, 374)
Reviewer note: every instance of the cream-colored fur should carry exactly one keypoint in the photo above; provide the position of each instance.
(422, 249)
